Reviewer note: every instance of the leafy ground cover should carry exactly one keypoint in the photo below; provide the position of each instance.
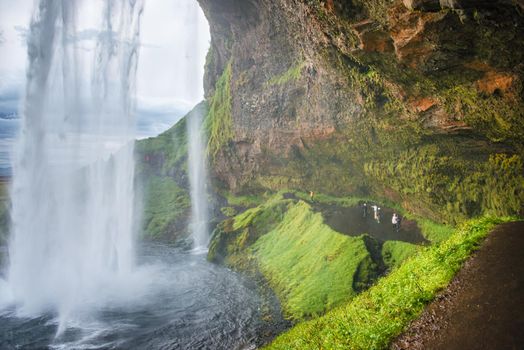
(372, 319)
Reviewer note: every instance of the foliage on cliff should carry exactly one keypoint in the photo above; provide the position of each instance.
(163, 180)
(165, 206)
(422, 107)
(311, 267)
(372, 319)
(219, 123)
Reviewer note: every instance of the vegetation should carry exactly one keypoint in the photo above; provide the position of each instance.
(219, 122)
(390, 154)
(244, 201)
(395, 253)
(165, 206)
(311, 267)
(372, 319)
(293, 73)
(164, 153)
(456, 187)
(162, 171)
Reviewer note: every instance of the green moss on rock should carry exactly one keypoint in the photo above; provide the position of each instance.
(372, 319)
(219, 122)
(162, 176)
(310, 266)
(395, 252)
(166, 204)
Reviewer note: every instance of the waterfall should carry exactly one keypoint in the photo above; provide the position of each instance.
(198, 179)
(199, 225)
(72, 192)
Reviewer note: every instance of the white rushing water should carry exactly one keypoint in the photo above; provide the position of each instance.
(72, 195)
(197, 160)
(199, 225)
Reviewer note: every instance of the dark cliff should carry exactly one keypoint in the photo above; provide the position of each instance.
(420, 102)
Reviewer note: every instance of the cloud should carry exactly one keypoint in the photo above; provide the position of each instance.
(9, 100)
(155, 115)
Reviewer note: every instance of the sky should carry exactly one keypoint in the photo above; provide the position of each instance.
(174, 42)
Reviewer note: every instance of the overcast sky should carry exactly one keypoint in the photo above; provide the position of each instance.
(175, 40)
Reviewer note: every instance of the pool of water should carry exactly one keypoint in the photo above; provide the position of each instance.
(354, 221)
(192, 304)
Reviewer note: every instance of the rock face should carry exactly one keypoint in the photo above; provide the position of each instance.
(406, 100)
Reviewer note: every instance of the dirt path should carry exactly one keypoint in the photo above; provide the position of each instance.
(483, 308)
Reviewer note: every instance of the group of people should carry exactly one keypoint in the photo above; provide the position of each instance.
(396, 220)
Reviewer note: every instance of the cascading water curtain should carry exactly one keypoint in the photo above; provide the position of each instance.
(72, 192)
(197, 160)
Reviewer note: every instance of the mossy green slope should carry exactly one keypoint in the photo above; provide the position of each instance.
(165, 204)
(372, 319)
(219, 122)
(395, 253)
(162, 174)
(310, 266)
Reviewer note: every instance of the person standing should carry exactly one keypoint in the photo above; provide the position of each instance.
(364, 210)
(394, 221)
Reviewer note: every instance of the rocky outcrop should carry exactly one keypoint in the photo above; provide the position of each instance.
(322, 92)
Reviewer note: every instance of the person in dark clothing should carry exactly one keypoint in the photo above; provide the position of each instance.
(364, 210)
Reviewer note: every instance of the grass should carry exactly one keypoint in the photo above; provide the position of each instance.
(293, 73)
(219, 122)
(433, 231)
(327, 199)
(246, 200)
(372, 319)
(395, 253)
(170, 148)
(310, 266)
(165, 204)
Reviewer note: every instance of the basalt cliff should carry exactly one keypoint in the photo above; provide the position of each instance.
(416, 101)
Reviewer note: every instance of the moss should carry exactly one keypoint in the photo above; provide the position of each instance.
(163, 153)
(244, 200)
(166, 204)
(396, 252)
(228, 211)
(432, 231)
(454, 187)
(499, 118)
(310, 266)
(162, 172)
(293, 73)
(372, 319)
(219, 122)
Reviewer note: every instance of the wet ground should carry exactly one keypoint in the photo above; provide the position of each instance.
(483, 307)
(354, 221)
